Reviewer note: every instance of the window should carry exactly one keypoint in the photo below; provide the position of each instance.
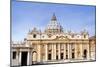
(49, 56)
(14, 55)
(34, 35)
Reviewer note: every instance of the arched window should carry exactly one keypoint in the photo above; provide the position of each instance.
(34, 35)
(34, 56)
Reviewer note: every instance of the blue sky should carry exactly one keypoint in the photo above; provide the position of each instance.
(27, 15)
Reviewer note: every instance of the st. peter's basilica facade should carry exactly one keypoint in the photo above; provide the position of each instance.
(54, 45)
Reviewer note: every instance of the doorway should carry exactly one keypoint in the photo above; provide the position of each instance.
(24, 59)
(85, 54)
(62, 55)
(73, 55)
(49, 56)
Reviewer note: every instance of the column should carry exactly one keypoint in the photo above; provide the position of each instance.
(69, 51)
(28, 58)
(38, 53)
(54, 51)
(59, 51)
(76, 51)
(64, 51)
(88, 53)
(46, 52)
(52, 54)
(19, 57)
(81, 52)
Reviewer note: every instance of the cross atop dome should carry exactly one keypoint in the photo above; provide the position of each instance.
(53, 17)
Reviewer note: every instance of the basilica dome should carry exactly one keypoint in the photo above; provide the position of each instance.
(54, 26)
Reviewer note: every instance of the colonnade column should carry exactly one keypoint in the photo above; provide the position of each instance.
(29, 58)
(64, 51)
(54, 48)
(76, 51)
(46, 52)
(38, 53)
(19, 57)
(88, 53)
(69, 51)
(81, 51)
(52, 53)
(58, 51)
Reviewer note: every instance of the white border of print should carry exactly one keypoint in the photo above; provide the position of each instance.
(5, 33)
(85, 2)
